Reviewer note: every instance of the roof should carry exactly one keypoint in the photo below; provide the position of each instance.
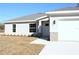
(68, 11)
(32, 17)
(68, 8)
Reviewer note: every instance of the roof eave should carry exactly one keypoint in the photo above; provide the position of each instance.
(41, 17)
(19, 21)
(62, 12)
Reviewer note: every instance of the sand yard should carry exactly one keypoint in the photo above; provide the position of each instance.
(19, 45)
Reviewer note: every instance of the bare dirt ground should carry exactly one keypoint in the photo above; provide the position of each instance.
(18, 45)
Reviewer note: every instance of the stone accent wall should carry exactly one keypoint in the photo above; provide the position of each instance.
(54, 36)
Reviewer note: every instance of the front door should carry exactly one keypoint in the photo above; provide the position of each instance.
(45, 28)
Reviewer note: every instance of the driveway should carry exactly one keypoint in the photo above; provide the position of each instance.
(58, 48)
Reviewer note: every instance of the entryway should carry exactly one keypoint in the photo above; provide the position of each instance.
(45, 29)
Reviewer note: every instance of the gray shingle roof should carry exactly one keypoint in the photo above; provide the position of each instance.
(28, 17)
(67, 8)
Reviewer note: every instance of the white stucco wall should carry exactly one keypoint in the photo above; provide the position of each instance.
(53, 27)
(8, 29)
(21, 29)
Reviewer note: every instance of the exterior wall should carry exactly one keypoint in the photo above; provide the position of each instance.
(8, 29)
(66, 28)
(53, 29)
(53, 36)
(21, 29)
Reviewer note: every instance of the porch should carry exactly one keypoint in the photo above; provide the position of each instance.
(43, 29)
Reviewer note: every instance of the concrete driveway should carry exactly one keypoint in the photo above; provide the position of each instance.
(58, 48)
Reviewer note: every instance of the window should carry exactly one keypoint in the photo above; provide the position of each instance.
(32, 30)
(14, 28)
(47, 24)
(32, 27)
(54, 22)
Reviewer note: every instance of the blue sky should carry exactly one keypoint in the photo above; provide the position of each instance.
(13, 10)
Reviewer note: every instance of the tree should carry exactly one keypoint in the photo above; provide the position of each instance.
(77, 4)
(1, 26)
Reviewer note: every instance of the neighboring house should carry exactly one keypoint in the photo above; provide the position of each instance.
(59, 25)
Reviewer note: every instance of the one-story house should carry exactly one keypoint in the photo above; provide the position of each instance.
(59, 25)
(28, 25)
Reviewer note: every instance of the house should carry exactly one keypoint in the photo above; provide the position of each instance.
(59, 25)
(28, 25)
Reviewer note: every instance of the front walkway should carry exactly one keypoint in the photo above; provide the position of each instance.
(56, 48)
(40, 41)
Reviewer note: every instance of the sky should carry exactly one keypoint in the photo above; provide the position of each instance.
(10, 11)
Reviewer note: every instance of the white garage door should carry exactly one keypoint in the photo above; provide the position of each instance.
(68, 30)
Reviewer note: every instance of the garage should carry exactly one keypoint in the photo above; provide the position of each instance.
(68, 30)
